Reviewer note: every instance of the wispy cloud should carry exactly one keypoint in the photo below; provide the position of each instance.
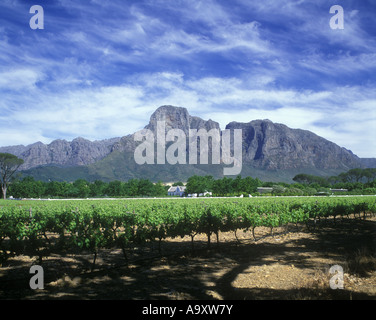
(100, 68)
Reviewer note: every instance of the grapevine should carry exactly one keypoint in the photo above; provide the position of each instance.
(39, 228)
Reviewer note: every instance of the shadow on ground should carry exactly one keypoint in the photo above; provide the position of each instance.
(230, 270)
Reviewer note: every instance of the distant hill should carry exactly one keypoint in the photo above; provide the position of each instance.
(271, 152)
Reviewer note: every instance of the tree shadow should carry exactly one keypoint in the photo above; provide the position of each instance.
(177, 273)
(347, 241)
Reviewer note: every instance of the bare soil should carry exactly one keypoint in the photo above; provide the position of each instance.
(293, 263)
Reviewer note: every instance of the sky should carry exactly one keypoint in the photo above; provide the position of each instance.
(99, 68)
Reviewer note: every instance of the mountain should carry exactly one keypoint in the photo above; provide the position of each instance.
(272, 146)
(174, 118)
(179, 118)
(79, 152)
(270, 151)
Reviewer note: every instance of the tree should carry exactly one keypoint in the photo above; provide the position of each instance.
(223, 186)
(355, 174)
(250, 185)
(59, 189)
(27, 188)
(308, 179)
(97, 188)
(145, 187)
(278, 189)
(115, 188)
(237, 184)
(199, 184)
(82, 189)
(9, 164)
(159, 189)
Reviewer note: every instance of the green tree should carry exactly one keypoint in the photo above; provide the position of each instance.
(82, 188)
(131, 188)
(278, 189)
(145, 187)
(237, 184)
(370, 174)
(250, 185)
(97, 188)
(223, 186)
(115, 188)
(308, 179)
(302, 178)
(159, 190)
(59, 189)
(28, 188)
(355, 174)
(9, 164)
(199, 184)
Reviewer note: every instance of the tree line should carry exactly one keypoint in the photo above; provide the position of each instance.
(353, 179)
(225, 186)
(28, 187)
(356, 181)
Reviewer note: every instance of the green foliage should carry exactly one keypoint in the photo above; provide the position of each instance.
(352, 178)
(199, 184)
(9, 164)
(29, 188)
(39, 228)
(356, 181)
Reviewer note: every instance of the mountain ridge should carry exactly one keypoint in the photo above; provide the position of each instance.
(269, 149)
(60, 152)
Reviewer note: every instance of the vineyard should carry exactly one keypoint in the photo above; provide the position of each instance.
(41, 228)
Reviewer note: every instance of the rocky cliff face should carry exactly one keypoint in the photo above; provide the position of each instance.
(174, 118)
(272, 146)
(179, 118)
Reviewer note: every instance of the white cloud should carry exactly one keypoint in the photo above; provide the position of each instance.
(344, 115)
(102, 73)
(20, 79)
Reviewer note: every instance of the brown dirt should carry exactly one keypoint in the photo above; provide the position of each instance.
(294, 263)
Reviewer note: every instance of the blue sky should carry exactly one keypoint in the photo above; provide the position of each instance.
(100, 68)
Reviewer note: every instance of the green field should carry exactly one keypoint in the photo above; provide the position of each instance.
(40, 228)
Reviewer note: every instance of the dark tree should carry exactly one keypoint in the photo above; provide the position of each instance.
(9, 164)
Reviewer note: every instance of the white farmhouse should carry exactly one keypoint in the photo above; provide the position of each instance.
(176, 191)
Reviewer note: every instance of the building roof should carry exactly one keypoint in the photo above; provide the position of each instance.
(174, 189)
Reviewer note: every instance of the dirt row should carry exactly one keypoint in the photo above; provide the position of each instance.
(294, 263)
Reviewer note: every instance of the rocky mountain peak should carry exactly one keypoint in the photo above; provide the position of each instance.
(179, 118)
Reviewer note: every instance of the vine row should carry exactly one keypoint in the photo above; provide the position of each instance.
(41, 228)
